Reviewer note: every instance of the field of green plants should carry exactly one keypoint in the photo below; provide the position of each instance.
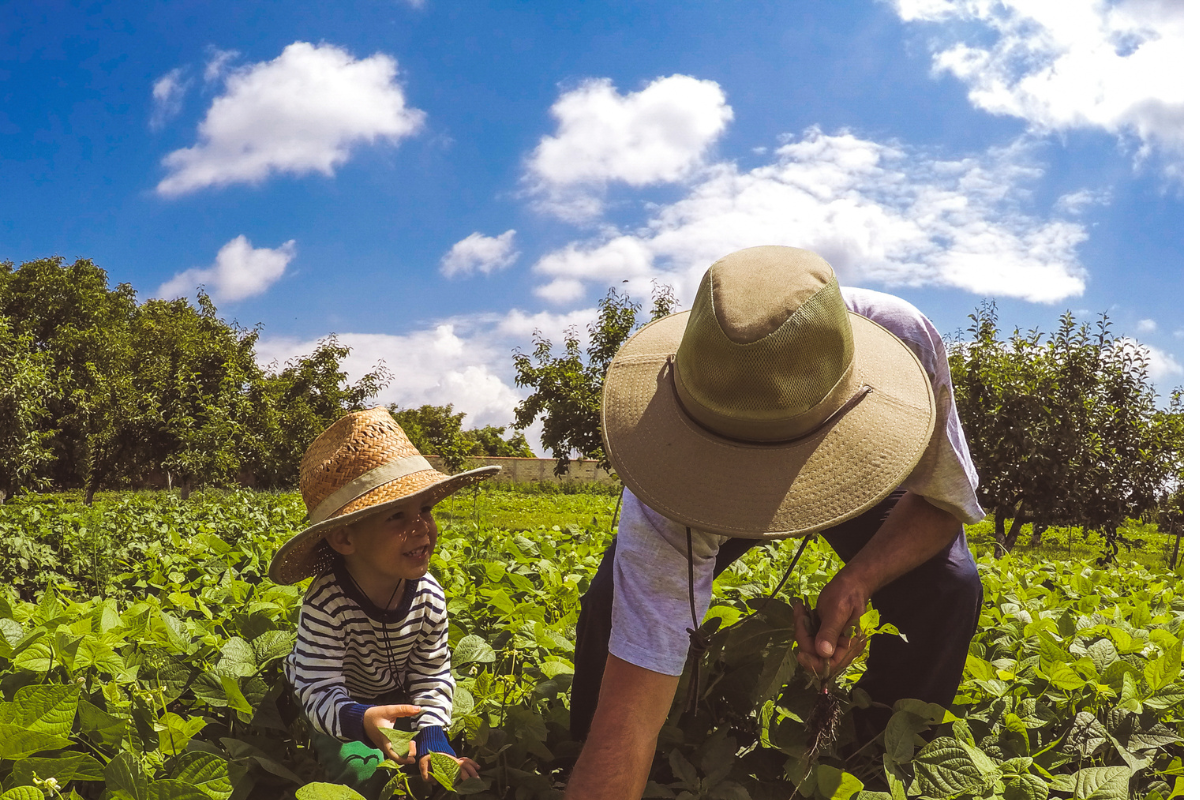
(141, 648)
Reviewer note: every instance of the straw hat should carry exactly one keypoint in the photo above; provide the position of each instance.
(768, 410)
(361, 465)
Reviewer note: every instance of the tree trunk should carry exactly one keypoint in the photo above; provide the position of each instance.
(1005, 541)
(1038, 529)
(185, 488)
(1175, 552)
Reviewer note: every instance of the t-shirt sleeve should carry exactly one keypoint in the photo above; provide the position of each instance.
(651, 611)
(315, 666)
(430, 681)
(945, 474)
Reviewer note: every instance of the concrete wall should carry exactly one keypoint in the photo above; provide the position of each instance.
(532, 470)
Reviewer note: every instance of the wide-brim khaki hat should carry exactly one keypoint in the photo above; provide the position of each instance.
(768, 409)
(359, 466)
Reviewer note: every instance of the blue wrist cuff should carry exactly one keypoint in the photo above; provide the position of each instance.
(351, 717)
(433, 740)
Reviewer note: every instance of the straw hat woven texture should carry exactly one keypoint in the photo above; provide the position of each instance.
(361, 465)
(768, 409)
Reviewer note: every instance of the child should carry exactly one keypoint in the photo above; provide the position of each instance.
(372, 642)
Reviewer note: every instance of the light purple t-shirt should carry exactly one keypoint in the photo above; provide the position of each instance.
(651, 611)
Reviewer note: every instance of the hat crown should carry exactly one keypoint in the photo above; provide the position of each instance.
(768, 343)
(352, 446)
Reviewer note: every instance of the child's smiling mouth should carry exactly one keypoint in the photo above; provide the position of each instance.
(420, 553)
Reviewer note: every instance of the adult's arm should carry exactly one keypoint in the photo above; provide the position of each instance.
(914, 532)
(619, 750)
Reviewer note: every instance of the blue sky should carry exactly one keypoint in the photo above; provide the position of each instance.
(431, 181)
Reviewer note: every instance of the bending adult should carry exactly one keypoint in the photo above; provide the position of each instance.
(780, 405)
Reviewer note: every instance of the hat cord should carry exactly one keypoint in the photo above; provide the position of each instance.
(387, 638)
(699, 641)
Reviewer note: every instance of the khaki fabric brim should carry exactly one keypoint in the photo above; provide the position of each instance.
(301, 556)
(764, 491)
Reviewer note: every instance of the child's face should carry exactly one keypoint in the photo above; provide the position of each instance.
(395, 544)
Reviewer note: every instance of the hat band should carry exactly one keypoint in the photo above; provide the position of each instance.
(847, 390)
(371, 479)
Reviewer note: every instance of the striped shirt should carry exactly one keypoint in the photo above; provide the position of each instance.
(349, 652)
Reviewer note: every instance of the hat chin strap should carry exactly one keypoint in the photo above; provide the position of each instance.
(371, 479)
(837, 403)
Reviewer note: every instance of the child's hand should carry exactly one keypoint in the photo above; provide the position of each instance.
(377, 717)
(466, 767)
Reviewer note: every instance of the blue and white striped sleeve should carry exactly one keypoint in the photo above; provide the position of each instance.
(430, 681)
(315, 666)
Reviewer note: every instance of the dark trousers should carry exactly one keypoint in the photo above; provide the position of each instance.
(936, 606)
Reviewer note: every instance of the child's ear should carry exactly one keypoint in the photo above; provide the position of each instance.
(341, 541)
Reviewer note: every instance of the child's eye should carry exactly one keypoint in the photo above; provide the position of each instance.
(397, 515)
(427, 510)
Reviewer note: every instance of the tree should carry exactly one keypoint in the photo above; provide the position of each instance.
(26, 388)
(68, 313)
(296, 403)
(1063, 431)
(566, 390)
(489, 441)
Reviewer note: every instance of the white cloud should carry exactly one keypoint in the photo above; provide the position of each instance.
(438, 365)
(240, 271)
(1147, 326)
(1117, 66)
(298, 114)
(480, 253)
(877, 212)
(218, 63)
(168, 93)
(657, 135)
(1078, 202)
(1162, 364)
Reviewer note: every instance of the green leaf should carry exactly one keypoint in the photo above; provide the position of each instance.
(237, 659)
(899, 737)
(327, 791)
(1103, 783)
(1103, 654)
(47, 708)
(37, 657)
(681, 768)
(100, 726)
(472, 650)
(170, 789)
(207, 772)
(70, 766)
(23, 793)
(1157, 736)
(270, 646)
(234, 696)
(1061, 676)
(947, 768)
(1026, 787)
(177, 732)
(444, 769)
(16, 741)
(124, 773)
(1165, 670)
(835, 784)
(716, 757)
(399, 740)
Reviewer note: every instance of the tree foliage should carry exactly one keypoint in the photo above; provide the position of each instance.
(99, 391)
(567, 389)
(1064, 429)
(437, 430)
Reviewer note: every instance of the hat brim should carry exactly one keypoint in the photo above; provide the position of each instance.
(734, 488)
(299, 558)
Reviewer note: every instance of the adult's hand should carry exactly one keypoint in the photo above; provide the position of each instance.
(841, 603)
(377, 717)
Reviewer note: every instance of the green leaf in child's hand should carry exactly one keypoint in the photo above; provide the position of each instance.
(399, 739)
(444, 769)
